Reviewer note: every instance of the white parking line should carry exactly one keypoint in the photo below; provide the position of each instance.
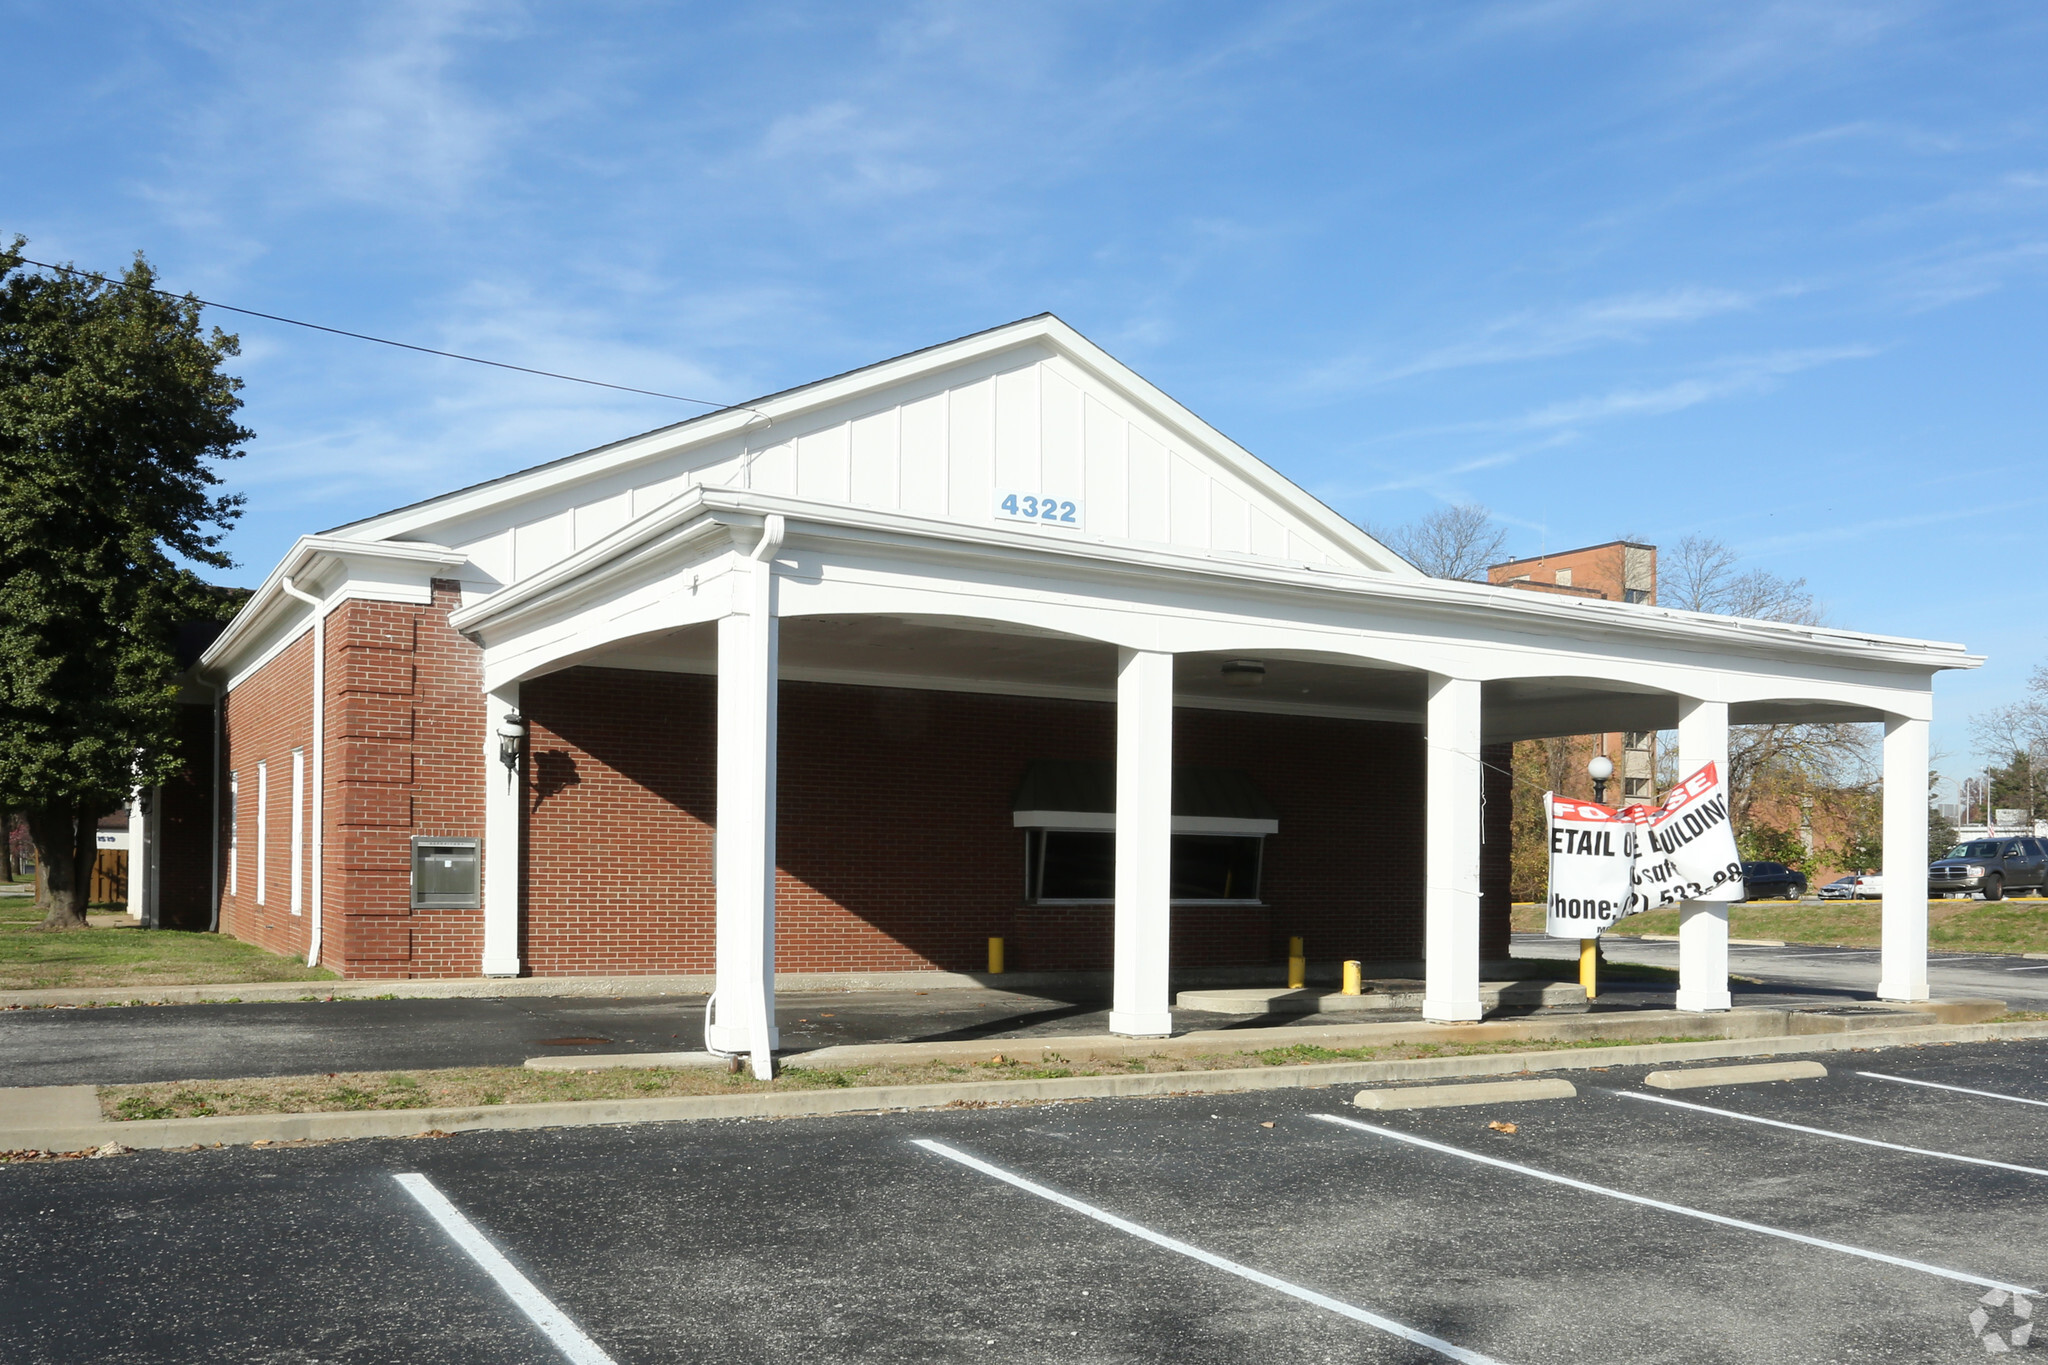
(566, 1335)
(1338, 1306)
(1962, 1276)
(1958, 1089)
(1827, 1133)
(2042, 968)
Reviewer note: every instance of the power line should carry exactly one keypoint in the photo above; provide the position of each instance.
(401, 345)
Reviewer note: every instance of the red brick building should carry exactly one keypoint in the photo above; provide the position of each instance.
(990, 640)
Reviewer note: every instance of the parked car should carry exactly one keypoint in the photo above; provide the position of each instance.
(1772, 881)
(1990, 866)
(1840, 889)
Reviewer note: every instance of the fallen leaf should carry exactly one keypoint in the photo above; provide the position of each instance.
(996, 1060)
(1500, 1127)
(1267, 1124)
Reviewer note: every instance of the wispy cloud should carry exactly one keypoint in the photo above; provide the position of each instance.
(1749, 374)
(1535, 335)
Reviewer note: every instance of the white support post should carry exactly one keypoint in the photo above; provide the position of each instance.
(1902, 974)
(1703, 925)
(1451, 852)
(504, 797)
(1139, 1007)
(742, 1017)
(140, 906)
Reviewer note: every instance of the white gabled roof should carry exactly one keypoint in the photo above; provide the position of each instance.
(1032, 407)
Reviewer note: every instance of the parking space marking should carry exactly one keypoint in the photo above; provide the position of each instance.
(567, 1336)
(1828, 1133)
(1958, 1089)
(1338, 1306)
(1962, 1276)
(2042, 968)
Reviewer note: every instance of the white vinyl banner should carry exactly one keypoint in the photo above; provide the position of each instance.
(1606, 863)
(1689, 854)
(1592, 867)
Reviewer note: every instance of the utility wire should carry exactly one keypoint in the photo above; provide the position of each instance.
(401, 345)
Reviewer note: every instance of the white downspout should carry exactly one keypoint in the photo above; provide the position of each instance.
(761, 1001)
(319, 607)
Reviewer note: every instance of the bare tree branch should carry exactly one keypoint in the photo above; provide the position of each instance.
(1451, 542)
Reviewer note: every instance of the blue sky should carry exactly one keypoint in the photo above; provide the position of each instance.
(1770, 272)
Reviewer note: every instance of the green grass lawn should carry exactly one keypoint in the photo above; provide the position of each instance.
(1969, 926)
(126, 954)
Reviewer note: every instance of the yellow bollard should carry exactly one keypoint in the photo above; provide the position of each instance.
(1354, 978)
(995, 957)
(1297, 965)
(1589, 958)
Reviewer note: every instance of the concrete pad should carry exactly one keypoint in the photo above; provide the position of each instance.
(1383, 994)
(1699, 1077)
(47, 1106)
(1848, 1018)
(1480, 1092)
(606, 1061)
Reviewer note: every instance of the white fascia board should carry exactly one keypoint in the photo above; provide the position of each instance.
(1558, 624)
(759, 417)
(331, 567)
(1565, 618)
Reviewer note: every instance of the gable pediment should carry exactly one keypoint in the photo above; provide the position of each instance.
(984, 432)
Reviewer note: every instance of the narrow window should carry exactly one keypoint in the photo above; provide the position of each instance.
(262, 831)
(234, 834)
(298, 830)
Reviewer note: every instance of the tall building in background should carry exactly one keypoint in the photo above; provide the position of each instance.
(1618, 571)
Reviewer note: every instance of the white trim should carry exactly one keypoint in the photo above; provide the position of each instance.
(369, 570)
(298, 891)
(234, 832)
(1106, 820)
(262, 831)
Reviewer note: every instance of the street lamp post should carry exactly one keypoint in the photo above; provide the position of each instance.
(1600, 768)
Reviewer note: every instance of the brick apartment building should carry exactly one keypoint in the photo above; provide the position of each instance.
(991, 639)
(1618, 571)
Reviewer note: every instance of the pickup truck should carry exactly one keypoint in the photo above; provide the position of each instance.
(1990, 866)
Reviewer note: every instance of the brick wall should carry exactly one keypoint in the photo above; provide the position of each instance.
(405, 732)
(895, 841)
(265, 718)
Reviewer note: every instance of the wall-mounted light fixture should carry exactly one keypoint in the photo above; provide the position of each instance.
(512, 740)
(1243, 673)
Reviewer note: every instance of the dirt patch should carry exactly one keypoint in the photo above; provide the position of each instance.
(464, 1087)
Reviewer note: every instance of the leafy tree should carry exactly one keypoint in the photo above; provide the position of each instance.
(113, 410)
(1451, 542)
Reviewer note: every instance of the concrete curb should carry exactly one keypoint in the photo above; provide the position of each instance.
(1466, 1093)
(168, 1133)
(1756, 1073)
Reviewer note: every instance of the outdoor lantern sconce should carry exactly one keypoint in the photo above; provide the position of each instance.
(1243, 673)
(1600, 768)
(512, 740)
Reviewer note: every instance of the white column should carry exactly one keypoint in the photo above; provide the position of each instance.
(742, 1019)
(1702, 925)
(1903, 973)
(139, 906)
(1451, 852)
(504, 798)
(1144, 843)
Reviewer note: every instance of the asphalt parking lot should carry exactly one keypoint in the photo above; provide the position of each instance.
(1176, 1230)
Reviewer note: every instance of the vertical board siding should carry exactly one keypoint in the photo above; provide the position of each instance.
(970, 451)
(927, 459)
(823, 465)
(1018, 466)
(876, 457)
